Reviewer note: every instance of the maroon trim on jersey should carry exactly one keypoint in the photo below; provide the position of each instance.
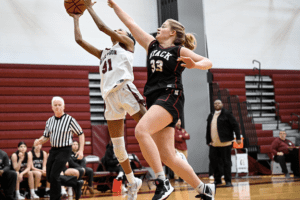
(140, 101)
(151, 44)
(175, 74)
(167, 97)
(175, 104)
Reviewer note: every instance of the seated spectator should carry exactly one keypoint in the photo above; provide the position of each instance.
(8, 178)
(76, 163)
(180, 142)
(283, 151)
(38, 168)
(21, 163)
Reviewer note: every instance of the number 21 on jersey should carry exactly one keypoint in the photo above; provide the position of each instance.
(104, 68)
(156, 66)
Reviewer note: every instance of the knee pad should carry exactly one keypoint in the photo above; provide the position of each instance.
(119, 149)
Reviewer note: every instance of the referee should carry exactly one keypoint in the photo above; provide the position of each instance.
(60, 129)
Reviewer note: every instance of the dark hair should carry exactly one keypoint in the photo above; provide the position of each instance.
(22, 142)
(131, 37)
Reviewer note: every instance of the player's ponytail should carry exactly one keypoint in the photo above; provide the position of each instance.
(190, 41)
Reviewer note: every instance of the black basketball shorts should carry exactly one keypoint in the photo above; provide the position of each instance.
(170, 99)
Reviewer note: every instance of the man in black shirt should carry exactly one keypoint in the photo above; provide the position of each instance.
(8, 177)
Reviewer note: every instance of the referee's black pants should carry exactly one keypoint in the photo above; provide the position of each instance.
(58, 157)
(217, 155)
(8, 183)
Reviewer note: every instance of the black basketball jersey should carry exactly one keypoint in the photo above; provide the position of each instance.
(24, 162)
(164, 71)
(37, 161)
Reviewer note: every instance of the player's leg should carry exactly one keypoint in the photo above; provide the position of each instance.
(37, 175)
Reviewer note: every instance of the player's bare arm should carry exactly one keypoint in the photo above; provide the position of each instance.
(84, 44)
(143, 38)
(193, 60)
(105, 29)
(79, 153)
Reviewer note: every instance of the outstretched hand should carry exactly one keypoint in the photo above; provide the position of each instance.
(188, 62)
(110, 3)
(89, 3)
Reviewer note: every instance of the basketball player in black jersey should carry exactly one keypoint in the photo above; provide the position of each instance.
(167, 56)
(38, 168)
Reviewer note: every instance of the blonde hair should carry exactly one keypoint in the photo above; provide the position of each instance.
(186, 39)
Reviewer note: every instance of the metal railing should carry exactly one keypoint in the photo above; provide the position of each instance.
(259, 83)
(277, 113)
(298, 120)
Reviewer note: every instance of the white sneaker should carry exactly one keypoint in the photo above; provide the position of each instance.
(70, 191)
(211, 177)
(64, 194)
(209, 192)
(19, 197)
(124, 190)
(34, 196)
(134, 188)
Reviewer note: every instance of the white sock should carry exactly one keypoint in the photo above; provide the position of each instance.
(35, 189)
(160, 175)
(17, 192)
(32, 191)
(47, 189)
(200, 187)
(130, 178)
(63, 190)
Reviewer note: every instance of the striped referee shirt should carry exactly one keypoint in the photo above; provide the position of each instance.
(61, 130)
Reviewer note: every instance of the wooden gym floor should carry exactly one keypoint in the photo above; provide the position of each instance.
(254, 188)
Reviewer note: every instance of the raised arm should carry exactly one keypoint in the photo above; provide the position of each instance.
(41, 141)
(84, 44)
(193, 60)
(105, 29)
(143, 38)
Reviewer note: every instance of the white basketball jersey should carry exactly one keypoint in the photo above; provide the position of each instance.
(115, 64)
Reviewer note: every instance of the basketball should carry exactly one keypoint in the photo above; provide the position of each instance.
(75, 6)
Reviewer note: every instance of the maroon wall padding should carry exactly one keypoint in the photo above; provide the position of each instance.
(32, 134)
(38, 82)
(287, 91)
(231, 84)
(258, 127)
(265, 140)
(34, 125)
(91, 69)
(43, 99)
(6, 117)
(285, 77)
(31, 73)
(286, 84)
(39, 108)
(264, 133)
(287, 98)
(289, 105)
(44, 91)
(289, 111)
(250, 72)
(228, 77)
(100, 138)
(288, 118)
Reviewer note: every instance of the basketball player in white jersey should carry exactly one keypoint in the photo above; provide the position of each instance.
(120, 94)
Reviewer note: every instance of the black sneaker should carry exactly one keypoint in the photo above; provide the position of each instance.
(209, 192)
(163, 189)
(78, 189)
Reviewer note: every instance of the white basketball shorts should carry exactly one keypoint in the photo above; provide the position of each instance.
(126, 99)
